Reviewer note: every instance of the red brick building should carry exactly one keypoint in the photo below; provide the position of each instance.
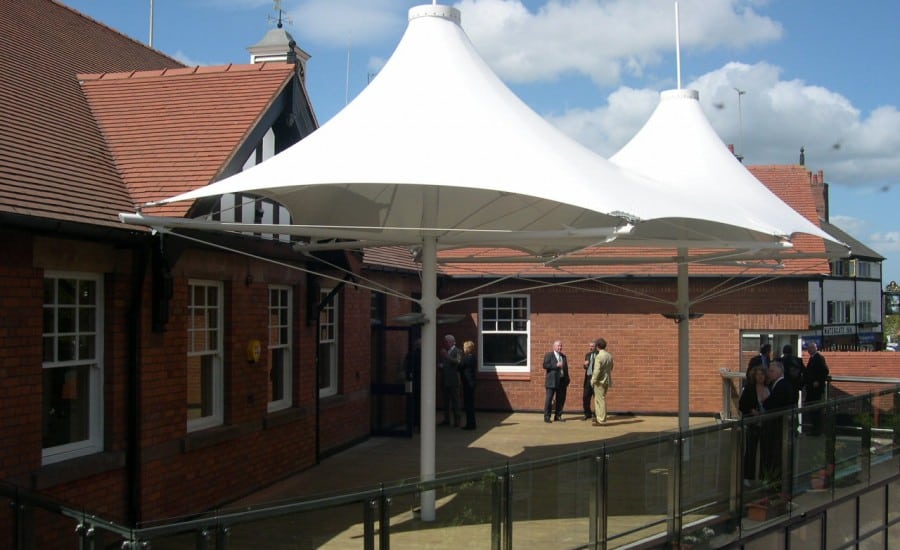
(147, 376)
(144, 376)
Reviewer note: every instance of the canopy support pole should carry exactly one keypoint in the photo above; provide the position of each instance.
(684, 352)
(429, 373)
(429, 305)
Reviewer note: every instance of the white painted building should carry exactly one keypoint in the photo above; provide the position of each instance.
(846, 306)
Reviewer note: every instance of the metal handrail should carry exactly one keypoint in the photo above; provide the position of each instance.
(376, 501)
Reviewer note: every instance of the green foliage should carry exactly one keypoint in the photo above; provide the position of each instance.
(892, 327)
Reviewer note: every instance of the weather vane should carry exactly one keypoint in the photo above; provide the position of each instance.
(282, 18)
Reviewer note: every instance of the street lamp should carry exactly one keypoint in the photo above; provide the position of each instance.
(740, 155)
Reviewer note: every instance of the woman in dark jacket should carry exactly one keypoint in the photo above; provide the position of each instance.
(468, 369)
(750, 404)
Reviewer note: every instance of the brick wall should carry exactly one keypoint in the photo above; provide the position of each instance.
(643, 342)
(20, 356)
(181, 472)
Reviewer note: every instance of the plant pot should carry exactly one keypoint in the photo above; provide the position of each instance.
(762, 511)
(818, 482)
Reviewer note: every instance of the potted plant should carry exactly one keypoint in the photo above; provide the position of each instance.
(768, 507)
(822, 478)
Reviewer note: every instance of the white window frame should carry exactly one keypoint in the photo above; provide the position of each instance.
(865, 311)
(864, 269)
(839, 312)
(504, 324)
(813, 318)
(94, 442)
(281, 328)
(216, 418)
(329, 321)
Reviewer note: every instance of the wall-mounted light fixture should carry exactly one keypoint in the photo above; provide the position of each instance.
(678, 317)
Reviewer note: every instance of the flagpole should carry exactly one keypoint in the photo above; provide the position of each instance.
(677, 48)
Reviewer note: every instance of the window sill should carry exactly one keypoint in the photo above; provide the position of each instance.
(283, 416)
(505, 376)
(76, 468)
(214, 436)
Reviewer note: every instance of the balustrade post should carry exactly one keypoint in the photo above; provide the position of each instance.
(369, 524)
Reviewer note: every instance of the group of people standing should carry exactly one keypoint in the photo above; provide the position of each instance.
(598, 366)
(773, 384)
(458, 368)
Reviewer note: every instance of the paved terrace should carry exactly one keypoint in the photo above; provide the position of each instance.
(500, 438)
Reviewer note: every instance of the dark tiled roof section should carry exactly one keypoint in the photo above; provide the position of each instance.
(173, 130)
(53, 159)
(857, 249)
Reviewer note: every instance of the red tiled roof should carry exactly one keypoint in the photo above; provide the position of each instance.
(93, 123)
(53, 158)
(173, 130)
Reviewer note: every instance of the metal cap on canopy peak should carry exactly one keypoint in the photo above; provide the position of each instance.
(679, 94)
(435, 10)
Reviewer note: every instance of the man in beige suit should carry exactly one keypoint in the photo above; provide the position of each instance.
(601, 380)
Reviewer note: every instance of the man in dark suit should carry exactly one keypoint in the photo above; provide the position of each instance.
(587, 395)
(780, 398)
(816, 377)
(764, 357)
(555, 382)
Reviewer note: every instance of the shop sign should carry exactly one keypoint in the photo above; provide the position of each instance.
(839, 330)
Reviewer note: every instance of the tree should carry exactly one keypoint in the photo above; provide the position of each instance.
(892, 327)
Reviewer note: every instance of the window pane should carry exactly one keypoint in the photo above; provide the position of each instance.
(200, 386)
(66, 405)
(65, 348)
(87, 292)
(49, 291)
(276, 374)
(66, 319)
(505, 349)
(199, 298)
(325, 380)
(86, 347)
(87, 319)
(66, 291)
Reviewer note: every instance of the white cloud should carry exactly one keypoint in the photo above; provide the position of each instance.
(850, 224)
(776, 118)
(183, 57)
(337, 23)
(603, 40)
(885, 242)
(607, 128)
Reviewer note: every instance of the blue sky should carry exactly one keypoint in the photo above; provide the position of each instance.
(821, 74)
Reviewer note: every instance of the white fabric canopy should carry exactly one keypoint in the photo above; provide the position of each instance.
(679, 146)
(437, 152)
(436, 120)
